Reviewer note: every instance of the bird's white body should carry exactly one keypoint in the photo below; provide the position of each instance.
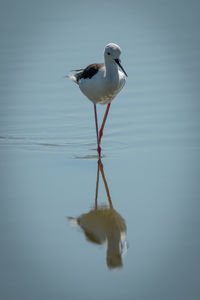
(104, 85)
(106, 80)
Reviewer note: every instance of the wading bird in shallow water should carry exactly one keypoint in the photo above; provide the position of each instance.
(100, 83)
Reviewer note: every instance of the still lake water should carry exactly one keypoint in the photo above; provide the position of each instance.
(151, 146)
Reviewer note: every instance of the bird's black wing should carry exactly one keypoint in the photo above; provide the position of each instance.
(88, 72)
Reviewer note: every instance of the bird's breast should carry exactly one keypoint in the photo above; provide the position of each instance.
(101, 89)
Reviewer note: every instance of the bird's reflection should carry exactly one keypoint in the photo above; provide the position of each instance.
(103, 224)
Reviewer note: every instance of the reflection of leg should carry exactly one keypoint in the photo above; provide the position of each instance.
(105, 183)
(97, 187)
(103, 124)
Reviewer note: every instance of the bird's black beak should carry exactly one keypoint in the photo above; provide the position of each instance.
(117, 60)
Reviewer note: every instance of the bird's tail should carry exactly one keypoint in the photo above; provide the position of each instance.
(72, 77)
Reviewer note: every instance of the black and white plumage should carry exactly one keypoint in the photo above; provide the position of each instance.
(88, 72)
(100, 82)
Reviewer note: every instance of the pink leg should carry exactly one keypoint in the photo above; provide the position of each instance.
(96, 122)
(102, 126)
(97, 131)
(97, 187)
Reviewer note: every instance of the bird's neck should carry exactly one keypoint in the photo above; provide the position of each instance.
(111, 70)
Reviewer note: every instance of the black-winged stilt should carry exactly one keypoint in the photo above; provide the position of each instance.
(100, 83)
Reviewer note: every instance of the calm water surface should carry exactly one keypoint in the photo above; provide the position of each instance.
(139, 239)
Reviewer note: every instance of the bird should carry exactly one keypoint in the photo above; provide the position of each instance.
(101, 82)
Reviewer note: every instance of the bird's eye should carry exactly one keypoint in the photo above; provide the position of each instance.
(108, 53)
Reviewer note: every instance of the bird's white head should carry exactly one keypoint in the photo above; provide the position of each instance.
(112, 53)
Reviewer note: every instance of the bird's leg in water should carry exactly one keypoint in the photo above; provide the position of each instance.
(97, 131)
(102, 127)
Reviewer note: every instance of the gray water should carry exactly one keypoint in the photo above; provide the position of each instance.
(150, 147)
